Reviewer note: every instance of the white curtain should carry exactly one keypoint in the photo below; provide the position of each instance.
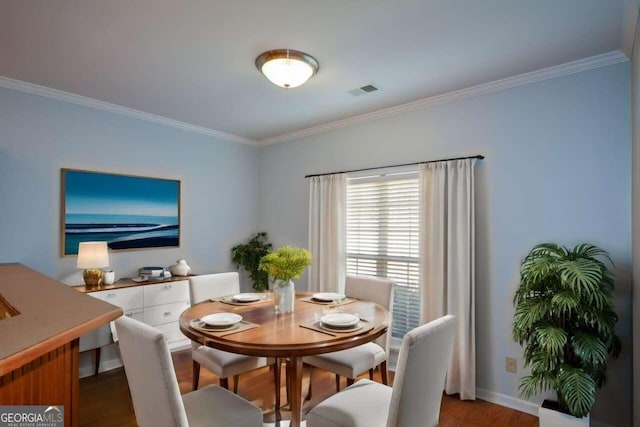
(447, 262)
(327, 232)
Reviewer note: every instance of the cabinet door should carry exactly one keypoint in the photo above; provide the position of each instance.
(164, 313)
(129, 299)
(136, 313)
(163, 293)
(125, 298)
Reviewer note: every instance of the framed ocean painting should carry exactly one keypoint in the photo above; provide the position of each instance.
(128, 212)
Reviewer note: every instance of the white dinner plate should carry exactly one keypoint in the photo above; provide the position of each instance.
(246, 297)
(328, 296)
(221, 319)
(340, 320)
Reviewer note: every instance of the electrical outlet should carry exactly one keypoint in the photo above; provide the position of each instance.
(511, 364)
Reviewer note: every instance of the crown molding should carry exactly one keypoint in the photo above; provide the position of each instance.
(60, 95)
(553, 72)
(580, 65)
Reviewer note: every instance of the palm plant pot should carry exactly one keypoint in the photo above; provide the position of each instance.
(550, 416)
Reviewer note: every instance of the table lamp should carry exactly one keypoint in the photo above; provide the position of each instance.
(92, 256)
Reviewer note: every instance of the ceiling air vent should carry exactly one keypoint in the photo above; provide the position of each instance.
(363, 90)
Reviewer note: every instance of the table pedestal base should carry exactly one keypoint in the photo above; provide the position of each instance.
(294, 371)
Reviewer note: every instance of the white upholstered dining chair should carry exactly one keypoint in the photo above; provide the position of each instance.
(355, 361)
(416, 395)
(221, 363)
(155, 392)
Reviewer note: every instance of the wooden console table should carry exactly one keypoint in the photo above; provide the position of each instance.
(39, 338)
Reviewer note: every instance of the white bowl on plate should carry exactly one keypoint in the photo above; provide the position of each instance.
(340, 320)
(328, 296)
(221, 319)
(246, 297)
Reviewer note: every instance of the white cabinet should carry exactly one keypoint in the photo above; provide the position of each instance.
(163, 304)
(165, 313)
(163, 293)
(157, 304)
(125, 298)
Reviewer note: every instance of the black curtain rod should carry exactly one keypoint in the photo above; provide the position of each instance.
(479, 156)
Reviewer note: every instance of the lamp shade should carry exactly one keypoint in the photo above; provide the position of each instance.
(93, 255)
(287, 68)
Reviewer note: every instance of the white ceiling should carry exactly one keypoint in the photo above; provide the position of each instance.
(193, 60)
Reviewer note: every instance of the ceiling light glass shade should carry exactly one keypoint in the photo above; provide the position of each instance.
(287, 68)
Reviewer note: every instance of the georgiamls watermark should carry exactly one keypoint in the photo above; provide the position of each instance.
(32, 416)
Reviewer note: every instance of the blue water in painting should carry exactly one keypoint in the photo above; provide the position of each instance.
(120, 231)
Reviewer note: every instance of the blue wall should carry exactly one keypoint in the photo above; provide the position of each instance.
(39, 136)
(557, 169)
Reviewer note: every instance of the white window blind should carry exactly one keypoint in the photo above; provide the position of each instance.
(382, 239)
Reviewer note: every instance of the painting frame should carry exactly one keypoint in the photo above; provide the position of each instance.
(130, 212)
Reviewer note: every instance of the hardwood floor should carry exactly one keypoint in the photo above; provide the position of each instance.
(105, 400)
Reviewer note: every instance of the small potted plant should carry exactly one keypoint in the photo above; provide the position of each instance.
(248, 256)
(565, 319)
(284, 265)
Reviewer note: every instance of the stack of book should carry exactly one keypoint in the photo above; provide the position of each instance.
(151, 272)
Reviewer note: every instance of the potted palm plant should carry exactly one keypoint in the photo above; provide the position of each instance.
(565, 319)
(248, 255)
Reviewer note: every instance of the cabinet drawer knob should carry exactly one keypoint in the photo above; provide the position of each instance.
(167, 286)
(111, 295)
(167, 313)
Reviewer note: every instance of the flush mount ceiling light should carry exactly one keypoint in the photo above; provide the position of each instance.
(287, 68)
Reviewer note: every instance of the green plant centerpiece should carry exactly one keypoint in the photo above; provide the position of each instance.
(565, 319)
(284, 265)
(248, 256)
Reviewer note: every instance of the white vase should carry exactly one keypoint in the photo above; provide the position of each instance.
(284, 296)
(108, 277)
(180, 268)
(551, 418)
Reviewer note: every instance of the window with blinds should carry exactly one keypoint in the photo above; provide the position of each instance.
(382, 239)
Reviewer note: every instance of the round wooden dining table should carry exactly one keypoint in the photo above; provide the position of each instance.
(285, 335)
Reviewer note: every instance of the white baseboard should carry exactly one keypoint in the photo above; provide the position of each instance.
(520, 405)
(508, 401)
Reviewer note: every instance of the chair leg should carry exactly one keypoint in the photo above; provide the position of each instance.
(287, 379)
(371, 374)
(350, 381)
(224, 382)
(196, 375)
(276, 380)
(337, 383)
(236, 379)
(310, 382)
(97, 355)
(383, 372)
